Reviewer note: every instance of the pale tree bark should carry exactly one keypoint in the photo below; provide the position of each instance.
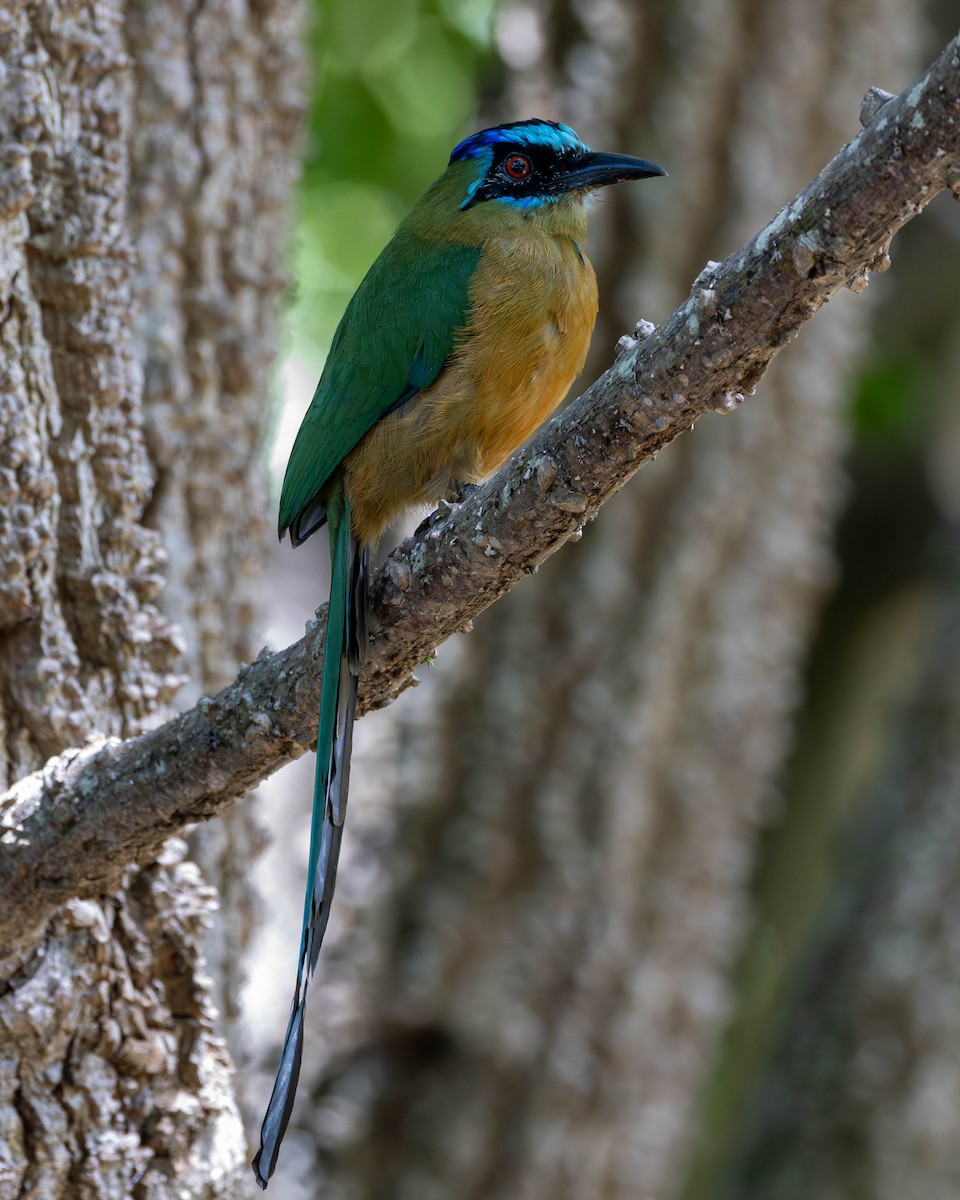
(214, 147)
(545, 887)
(146, 155)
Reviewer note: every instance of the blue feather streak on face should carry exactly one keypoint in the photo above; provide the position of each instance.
(522, 133)
(487, 159)
(526, 201)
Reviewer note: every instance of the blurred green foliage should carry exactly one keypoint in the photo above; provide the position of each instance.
(906, 388)
(882, 395)
(394, 88)
(898, 395)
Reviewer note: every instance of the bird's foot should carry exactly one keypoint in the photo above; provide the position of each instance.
(459, 491)
(435, 517)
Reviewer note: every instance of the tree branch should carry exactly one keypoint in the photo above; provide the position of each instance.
(71, 828)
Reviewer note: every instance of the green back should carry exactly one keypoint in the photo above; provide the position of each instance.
(393, 339)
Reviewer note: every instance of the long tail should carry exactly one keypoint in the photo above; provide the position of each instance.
(343, 652)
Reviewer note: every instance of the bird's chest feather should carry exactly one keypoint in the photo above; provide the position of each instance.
(534, 304)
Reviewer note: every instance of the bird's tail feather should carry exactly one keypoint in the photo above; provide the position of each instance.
(343, 652)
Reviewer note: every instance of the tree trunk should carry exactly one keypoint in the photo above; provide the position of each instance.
(860, 1094)
(862, 1099)
(545, 887)
(146, 155)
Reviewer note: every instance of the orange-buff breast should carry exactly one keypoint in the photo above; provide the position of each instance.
(533, 308)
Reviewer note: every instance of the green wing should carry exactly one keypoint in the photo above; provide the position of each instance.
(392, 342)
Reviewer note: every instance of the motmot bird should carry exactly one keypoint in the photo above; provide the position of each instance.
(465, 334)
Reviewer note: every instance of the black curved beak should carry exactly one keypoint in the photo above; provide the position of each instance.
(596, 170)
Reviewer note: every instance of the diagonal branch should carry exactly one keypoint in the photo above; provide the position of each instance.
(71, 828)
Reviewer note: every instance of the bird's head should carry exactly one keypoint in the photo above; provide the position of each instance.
(531, 165)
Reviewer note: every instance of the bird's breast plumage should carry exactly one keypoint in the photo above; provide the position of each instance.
(533, 304)
(529, 331)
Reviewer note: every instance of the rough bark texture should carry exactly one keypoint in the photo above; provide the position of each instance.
(546, 890)
(214, 149)
(145, 150)
(85, 649)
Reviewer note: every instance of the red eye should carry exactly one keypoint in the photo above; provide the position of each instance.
(517, 166)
